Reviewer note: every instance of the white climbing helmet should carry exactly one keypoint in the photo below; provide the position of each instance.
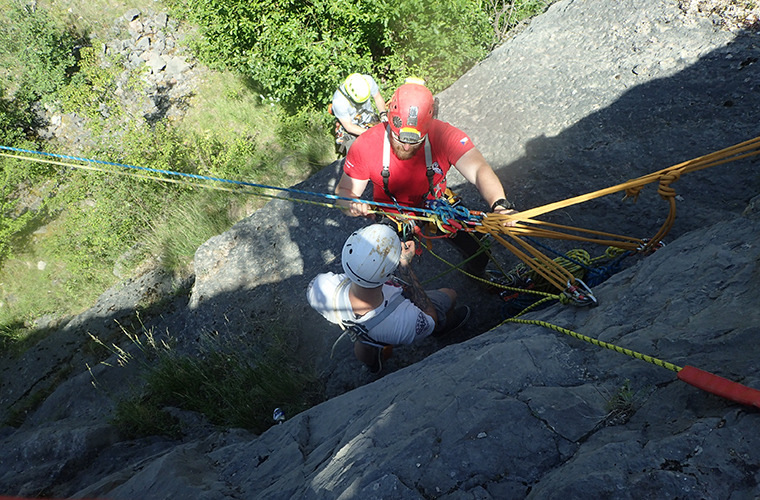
(371, 254)
(357, 87)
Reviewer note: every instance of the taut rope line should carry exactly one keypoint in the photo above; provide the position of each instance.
(261, 188)
(446, 219)
(714, 384)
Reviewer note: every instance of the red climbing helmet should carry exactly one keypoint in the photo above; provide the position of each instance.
(411, 112)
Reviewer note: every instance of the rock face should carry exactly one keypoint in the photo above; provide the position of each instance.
(154, 76)
(591, 94)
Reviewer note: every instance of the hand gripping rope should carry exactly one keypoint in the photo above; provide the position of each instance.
(449, 219)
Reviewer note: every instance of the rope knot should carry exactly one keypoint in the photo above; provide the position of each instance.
(450, 218)
(664, 189)
(633, 192)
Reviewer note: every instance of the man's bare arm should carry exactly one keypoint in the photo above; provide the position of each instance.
(349, 187)
(474, 167)
(413, 288)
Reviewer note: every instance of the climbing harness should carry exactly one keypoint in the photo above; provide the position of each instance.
(515, 232)
(359, 331)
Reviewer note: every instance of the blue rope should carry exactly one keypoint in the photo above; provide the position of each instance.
(594, 275)
(446, 211)
(216, 179)
(601, 274)
(580, 264)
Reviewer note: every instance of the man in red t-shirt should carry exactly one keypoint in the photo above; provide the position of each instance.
(408, 158)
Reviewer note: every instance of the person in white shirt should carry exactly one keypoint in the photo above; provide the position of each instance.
(376, 311)
(352, 107)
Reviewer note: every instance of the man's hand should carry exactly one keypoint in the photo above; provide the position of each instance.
(356, 209)
(348, 188)
(413, 289)
(507, 211)
(407, 253)
(504, 207)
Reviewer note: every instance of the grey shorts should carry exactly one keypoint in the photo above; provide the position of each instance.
(442, 304)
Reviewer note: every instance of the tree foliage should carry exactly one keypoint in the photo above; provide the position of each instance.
(438, 41)
(11, 222)
(14, 121)
(298, 52)
(505, 15)
(36, 56)
(14, 124)
(36, 53)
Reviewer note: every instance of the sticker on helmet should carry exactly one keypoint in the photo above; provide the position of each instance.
(397, 121)
(413, 112)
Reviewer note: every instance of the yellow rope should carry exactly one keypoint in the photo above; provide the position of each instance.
(633, 187)
(606, 345)
(524, 223)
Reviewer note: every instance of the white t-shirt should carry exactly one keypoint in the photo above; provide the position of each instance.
(345, 109)
(403, 326)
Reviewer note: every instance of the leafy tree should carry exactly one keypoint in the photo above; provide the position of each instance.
(11, 222)
(438, 41)
(37, 54)
(298, 52)
(505, 15)
(14, 123)
(36, 57)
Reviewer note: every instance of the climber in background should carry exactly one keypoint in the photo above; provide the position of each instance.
(353, 110)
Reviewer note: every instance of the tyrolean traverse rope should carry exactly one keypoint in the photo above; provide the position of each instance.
(515, 232)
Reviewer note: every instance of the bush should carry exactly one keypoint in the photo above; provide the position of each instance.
(38, 54)
(36, 59)
(15, 122)
(14, 126)
(100, 216)
(438, 41)
(299, 52)
(92, 88)
(11, 221)
(505, 15)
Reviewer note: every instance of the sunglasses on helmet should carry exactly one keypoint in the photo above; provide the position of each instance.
(407, 140)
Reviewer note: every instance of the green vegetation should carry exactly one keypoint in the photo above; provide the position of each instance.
(621, 405)
(231, 384)
(504, 16)
(67, 234)
(296, 52)
(35, 54)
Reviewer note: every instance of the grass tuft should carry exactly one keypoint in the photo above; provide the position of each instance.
(232, 384)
